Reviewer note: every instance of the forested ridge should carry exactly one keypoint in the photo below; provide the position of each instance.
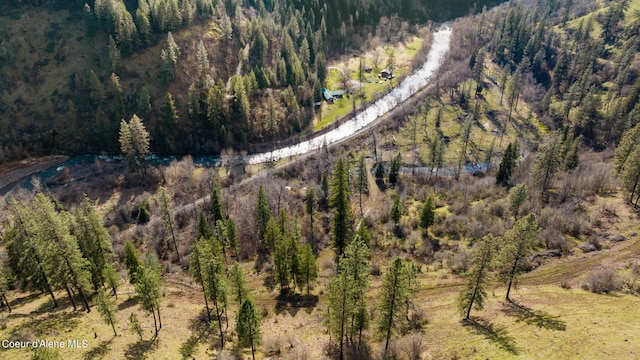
(485, 218)
(204, 75)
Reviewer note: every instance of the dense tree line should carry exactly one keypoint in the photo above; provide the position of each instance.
(272, 97)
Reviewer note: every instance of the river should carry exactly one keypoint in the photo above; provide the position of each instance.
(409, 86)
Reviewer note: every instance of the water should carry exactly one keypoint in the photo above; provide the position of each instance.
(409, 86)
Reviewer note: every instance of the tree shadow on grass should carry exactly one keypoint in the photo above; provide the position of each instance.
(538, 318)
(293, 302)
(140, 349)
(127, 303)
(200, 333)
(54, 323)
(269, 282)
(99, 351)
(23, 300)
(496, 334)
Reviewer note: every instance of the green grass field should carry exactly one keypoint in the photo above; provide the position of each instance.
(372, 87)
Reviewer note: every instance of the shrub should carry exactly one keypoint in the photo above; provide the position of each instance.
(143, 215)
(603, 281)
(415, 346)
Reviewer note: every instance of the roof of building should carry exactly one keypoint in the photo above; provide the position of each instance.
(331, 94)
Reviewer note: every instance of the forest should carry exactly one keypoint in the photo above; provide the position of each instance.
(205, 75)
(494, 214)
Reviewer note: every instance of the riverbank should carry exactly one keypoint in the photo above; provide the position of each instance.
(15, 171)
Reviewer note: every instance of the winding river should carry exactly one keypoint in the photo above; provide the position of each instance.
(409, 86)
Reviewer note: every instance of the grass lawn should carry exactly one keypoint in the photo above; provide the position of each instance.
(372, 87)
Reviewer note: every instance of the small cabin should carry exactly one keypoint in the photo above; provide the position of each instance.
(330, 96)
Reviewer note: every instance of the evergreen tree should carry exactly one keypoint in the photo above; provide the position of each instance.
(196, 269)
(194, 103)
(363, 233)
(631, 176)
(166, 211)
(170, 113)
(217, 209)
(339, 306)
(96, 245)
(202, 58)
(308, 268)
(345, 298)
(517, 197)
(114, 54)
(474, 292)
(134, 141)
(214, 278)
(248, 323)
(25, 252)
(393, 296)
(379, 172)
(232, 237)
(547, 162)
(355, 264)
(394, 170)
(286, 253)
(263, 213)
(134, 325)
(238, 283)
(4, 285)
(362, 181)
(427, 216)
(107, 310)
(132, 261)
(396, 210)
(62, 254)
(144, 102)
(311, 202)
(339, 201)
(628, 144)
(216, 107)
(203, 229)
(273, 234)
(508, 163)
(148, 282)
(518, 244)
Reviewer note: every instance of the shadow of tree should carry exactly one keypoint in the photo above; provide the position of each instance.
(493, 333)
(140, 349)
(538, 318)
(23, 300)
(128, 303)
(54, 323)
(188, 347)
(269, 282)
(98, 352)
(293, 302)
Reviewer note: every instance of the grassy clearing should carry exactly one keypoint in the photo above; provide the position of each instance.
(490, 126)
(547, 322)
(372, 87)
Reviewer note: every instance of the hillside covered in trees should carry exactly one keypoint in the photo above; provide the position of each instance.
(493, 215)
(205, 75)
